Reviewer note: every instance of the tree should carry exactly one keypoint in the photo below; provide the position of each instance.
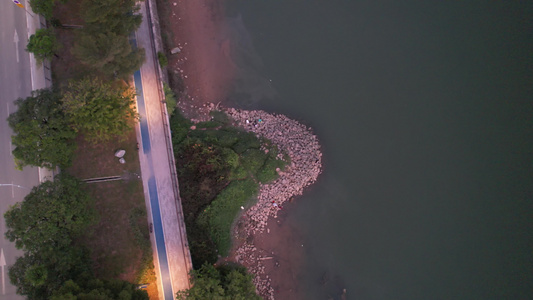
(50, 217)
(99, 290)
(42, 135)
(101, 111)
(108, 53)
(38, 276)
(223, 283)
(43, 44)
(117, 16)
(43, 7)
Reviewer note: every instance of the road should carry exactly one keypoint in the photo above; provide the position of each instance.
(15, 81)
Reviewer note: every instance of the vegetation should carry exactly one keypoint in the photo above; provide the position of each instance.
(162, 58)
(170, 99)
(43, 44)
(47, 226)
(50, 217)
(42, 135)
(43, 7)
(99, 110)
(224, 283)
(57, 263)
(100, 290)
(117, 16)
(108, 54)
(219, 167)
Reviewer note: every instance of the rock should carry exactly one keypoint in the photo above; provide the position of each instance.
(175, 50)
(122, 160)
(120, 153)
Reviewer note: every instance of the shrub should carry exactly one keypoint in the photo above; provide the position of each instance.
(170, 99)
(163, 61)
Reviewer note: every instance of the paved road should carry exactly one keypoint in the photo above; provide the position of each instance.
(15, 82)
(169, 240)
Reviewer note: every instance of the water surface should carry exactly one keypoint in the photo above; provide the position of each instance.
(424, 110)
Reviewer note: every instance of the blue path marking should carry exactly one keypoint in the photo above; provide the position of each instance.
(152, 192)
(145, 137)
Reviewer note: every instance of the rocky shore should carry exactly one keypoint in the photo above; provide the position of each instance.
(303, 148)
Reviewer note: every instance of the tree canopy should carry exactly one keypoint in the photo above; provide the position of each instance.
(42, 136)
(43, 44)
(50, 216)
(100, 110)
(45, 226)
(108, 53)
(117, 16)
(99, 290)
(43, 7)
(223, 283)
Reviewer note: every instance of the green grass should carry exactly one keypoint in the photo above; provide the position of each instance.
(218, 217)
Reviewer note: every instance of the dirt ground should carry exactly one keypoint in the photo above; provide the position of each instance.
(202, 72)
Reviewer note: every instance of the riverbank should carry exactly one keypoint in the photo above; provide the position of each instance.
(253, 246)
(263, 243)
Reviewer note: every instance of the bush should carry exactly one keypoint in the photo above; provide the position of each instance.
(170, 99)
(163, 61)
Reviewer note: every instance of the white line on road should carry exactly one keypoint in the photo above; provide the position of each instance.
(16, 41)
(3, 264)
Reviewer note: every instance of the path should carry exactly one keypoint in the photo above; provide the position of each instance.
(172, 256)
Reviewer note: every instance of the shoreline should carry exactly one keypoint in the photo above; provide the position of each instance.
(205, 72)
(301, 145)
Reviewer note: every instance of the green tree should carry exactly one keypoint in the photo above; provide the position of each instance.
(43, 44)
(43, 7)
(100, 110)
(50, 217)
(42, 136)
(223, 283)
(117, 16)
(108, 53)
(38, 275)
(99, 290)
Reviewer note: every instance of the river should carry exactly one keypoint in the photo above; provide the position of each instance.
(424, 111)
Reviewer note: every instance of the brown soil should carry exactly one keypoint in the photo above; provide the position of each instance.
(202, 71)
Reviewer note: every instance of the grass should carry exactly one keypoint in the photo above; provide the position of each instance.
(218, 217)
(98, 160)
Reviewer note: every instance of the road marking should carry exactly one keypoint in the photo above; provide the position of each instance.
(16, 41)
(3, 264)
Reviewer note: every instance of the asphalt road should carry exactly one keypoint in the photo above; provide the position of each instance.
(15, 82)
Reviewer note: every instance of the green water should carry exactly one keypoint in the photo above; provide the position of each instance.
(424, 110)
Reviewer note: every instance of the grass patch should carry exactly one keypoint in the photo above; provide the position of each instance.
(218, 217)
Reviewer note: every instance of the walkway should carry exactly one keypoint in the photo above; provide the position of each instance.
(172, 256)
